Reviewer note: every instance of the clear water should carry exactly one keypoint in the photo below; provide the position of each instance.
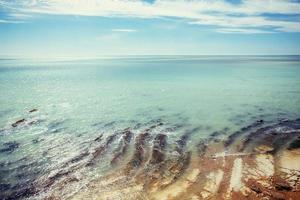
(77, 100)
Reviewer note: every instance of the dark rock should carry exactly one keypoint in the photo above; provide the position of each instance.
(9, 147)
(294, 145)
(123, 146)
(254, 126)
(184, 138)
(99, 151)
(139, 152)
(157, 156)
(33, 110)
(99, 138)
(4, 187)
(22, 191)
(110, 139)
(277, 135)
(79, 157)
(232, 138)
(160, 141)
(55, 177)
(18, 122)
(35, 141)
(159, 145)
(283, 186)
(215, 134)
(127, 136)
(256, 189)
(201, 147)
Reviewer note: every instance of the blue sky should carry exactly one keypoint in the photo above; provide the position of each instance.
(91, 28)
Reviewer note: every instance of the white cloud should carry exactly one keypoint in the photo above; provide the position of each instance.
(241, 30)
(10, 21)
(19, 16)
(220, 13)
(254, 22)
(124, 30)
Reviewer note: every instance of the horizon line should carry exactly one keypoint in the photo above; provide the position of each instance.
(108, 57)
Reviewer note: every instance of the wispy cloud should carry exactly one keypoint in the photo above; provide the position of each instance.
(10, 21)
(114, 34)
(124, 30)
(20, 16)
(248, 15)
(242, 31)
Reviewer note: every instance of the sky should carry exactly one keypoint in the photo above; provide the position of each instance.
(93, 28)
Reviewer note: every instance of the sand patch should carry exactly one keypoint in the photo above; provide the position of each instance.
(193, 175)
(265, 166)
(236, 175)
(290, 160)
(213, 183)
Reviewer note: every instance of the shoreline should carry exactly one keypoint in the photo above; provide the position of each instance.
(259, 161)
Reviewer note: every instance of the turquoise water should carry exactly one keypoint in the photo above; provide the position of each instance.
(78, 100)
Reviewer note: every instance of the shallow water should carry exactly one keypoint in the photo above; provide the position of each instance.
(77, 101)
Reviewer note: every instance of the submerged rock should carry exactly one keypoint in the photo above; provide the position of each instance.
(99, 138)
(159, 146)
(256, 162)
(22, 193)
(294, 145)
(9, 147)
(182, 142)
(4, 187)
(33, 110)
(18, 122)
(123, 146)
(139, 152)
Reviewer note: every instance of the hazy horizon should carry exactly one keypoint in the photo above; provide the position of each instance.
(188, 56)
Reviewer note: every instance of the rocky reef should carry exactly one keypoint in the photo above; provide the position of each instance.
(259, 161)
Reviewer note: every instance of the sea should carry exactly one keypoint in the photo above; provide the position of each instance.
(53, 111)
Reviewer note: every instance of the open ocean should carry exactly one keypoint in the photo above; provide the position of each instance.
(53, 113)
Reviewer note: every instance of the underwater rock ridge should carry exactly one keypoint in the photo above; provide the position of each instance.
(259, 161)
